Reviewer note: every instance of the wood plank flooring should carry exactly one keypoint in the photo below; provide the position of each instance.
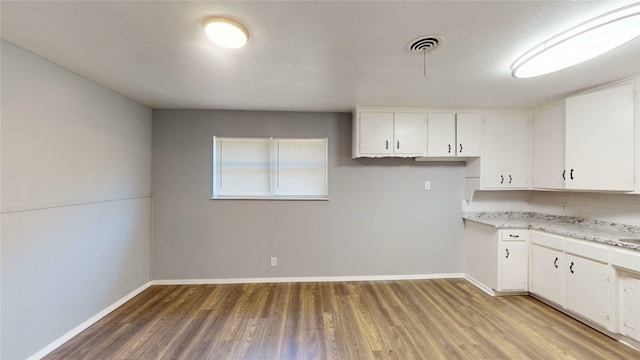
(422, 319)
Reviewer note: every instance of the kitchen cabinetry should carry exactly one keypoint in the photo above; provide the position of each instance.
(389, 134)
(513, 260)
(546, 276)
(629, 293)
(627, 264)
(589, 290)
(599, 151)
(548, 147)
(454, 135)
(496, 260)
(506, 161)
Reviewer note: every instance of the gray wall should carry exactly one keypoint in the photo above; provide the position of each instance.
(76, 208)
(379, 221)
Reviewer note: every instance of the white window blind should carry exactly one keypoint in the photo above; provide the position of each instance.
(259, 168)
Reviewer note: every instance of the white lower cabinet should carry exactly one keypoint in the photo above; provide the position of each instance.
(627, 265)
(589, 290)
(546, 278)
(629, 305)
(513, 265)
(575, 275)
(496, 260)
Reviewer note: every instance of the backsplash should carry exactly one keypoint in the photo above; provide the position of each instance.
(619, 208)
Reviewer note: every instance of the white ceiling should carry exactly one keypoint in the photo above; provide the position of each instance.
(314, 55)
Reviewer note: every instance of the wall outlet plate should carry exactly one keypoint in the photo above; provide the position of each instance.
(274, 261)
(427, 185)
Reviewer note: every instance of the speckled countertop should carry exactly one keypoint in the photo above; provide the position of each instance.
(594, 230)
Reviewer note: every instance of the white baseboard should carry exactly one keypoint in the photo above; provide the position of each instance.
(78, 329)
(479, 285)
(306, 279)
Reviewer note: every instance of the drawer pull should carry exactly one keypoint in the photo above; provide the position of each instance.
(514, 236)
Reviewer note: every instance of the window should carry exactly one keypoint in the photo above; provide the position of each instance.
(270, 168)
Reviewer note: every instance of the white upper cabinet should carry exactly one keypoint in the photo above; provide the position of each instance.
(600, 134)
(410, 134)
(469, 134)
(375, 133)
(451, 134)
(389, 134)
(506, 160)
(441, 134)
(548, 147)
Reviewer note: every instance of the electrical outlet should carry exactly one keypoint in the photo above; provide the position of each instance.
(274, 261)
(563, 206)
(427, 185)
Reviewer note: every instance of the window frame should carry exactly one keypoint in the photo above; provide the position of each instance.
(274, 171)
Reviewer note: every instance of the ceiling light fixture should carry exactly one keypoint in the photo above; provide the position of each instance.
(580, 43)
(225, 32)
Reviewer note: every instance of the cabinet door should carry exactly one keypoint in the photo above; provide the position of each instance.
(546, 274)
(548, 148)
(441, 134)
(518, 151)
(600, 140)
(494, 157)
(588, 290)
(469, 134)
(514, 264)
(376, 133)
(506, 161)
(410, 134)
(630, 306)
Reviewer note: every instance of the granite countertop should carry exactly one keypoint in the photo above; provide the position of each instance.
(594, 230)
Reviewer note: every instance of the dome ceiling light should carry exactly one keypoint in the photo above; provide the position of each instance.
(225, 32)
(580, 43)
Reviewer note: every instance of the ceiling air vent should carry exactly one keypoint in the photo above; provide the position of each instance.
(425, 44)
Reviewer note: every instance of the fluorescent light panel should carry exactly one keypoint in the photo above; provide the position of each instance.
(580, 43)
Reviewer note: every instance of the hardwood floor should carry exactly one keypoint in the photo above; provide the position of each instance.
(422, 319)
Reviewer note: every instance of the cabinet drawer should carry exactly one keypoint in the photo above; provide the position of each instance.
(587, 249)
(547, 240)
(514, 235)
(626, 259)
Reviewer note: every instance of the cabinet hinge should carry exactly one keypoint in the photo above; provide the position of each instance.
(626, 325)
(605, 316)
